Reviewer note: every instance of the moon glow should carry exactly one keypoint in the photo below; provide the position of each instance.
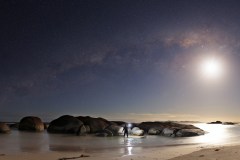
(211, 68)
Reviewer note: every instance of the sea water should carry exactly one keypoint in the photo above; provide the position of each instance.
(18, 141)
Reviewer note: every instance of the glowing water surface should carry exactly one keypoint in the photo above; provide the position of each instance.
(42, 142)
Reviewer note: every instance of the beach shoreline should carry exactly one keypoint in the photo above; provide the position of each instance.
(160, 153)
(219, 152)
(38, 146)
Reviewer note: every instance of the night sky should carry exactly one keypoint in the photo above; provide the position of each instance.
(129, 60)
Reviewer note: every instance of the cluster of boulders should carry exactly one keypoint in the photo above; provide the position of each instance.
(223, 123)
(170, 129)
(81, 125)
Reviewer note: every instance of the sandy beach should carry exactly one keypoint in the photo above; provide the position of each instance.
(168, 153)
(161, 153)
(216, 153)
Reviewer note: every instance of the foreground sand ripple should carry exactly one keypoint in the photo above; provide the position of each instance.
(219, 153)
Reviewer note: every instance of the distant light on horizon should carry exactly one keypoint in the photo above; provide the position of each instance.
(211, 69)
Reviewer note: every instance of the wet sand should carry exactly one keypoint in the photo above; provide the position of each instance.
(216, 153)
(167, 153)
(160, 153)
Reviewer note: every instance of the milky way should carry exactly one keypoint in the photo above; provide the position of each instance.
(117, 59)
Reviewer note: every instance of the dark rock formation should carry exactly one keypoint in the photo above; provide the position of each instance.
(229, 123)
(31, 124)
(104, 133)
(95, 124)
(116, 130)
(168, 132)
(66, 124)
(4, 128)
(170, 129)
(189, 132)
(119, 123)
(216, 122)
(14, 125)
(81, 130)
(137, 131)
(87, 128)
(46, 125)
(154, 131)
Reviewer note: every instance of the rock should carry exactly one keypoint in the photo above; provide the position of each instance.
(104, 133)
(189, 132)
(4, 128)
(154, 131)
(31, 124)
(66, 124)
(216, 122)
(81, 131)
(229, 123)
(119, 123)
(168, 132)
(116, 130)
(95, 124)
(87, 128)
(101, 134)
(137, 131)
(14, 125)
(46, 125)
(148, 125)
(164, 128)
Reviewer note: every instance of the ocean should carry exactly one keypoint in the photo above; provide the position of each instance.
(18, 141)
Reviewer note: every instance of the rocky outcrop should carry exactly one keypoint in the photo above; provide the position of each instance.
(31, 124)
(46, 125)
(4, 128)
(168, 132)
(104, 133)
(154, 131)
(95, 124)
(116, 130)
(81, 131)
(137, 131)
(170, 129)
(14, 126)
(119, 123)
(229, 123)
(87, 128)
(148, 125)
(216, 122)
(67, 124)
(189, 132)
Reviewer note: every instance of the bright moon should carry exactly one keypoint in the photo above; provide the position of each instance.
(211, 68)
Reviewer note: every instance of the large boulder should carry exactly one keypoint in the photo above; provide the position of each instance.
(168, 132)
(81, 130)
(95, 124)
(87, 128)
(116, 130)
(137, 131)
(154, 131)
(14, 126)
(4, 128)
(229, 123)
(66, 124)
(148, 125)
(189, 132)
(119, 123)
(31, 124)
(104, 133)
(216, 122)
